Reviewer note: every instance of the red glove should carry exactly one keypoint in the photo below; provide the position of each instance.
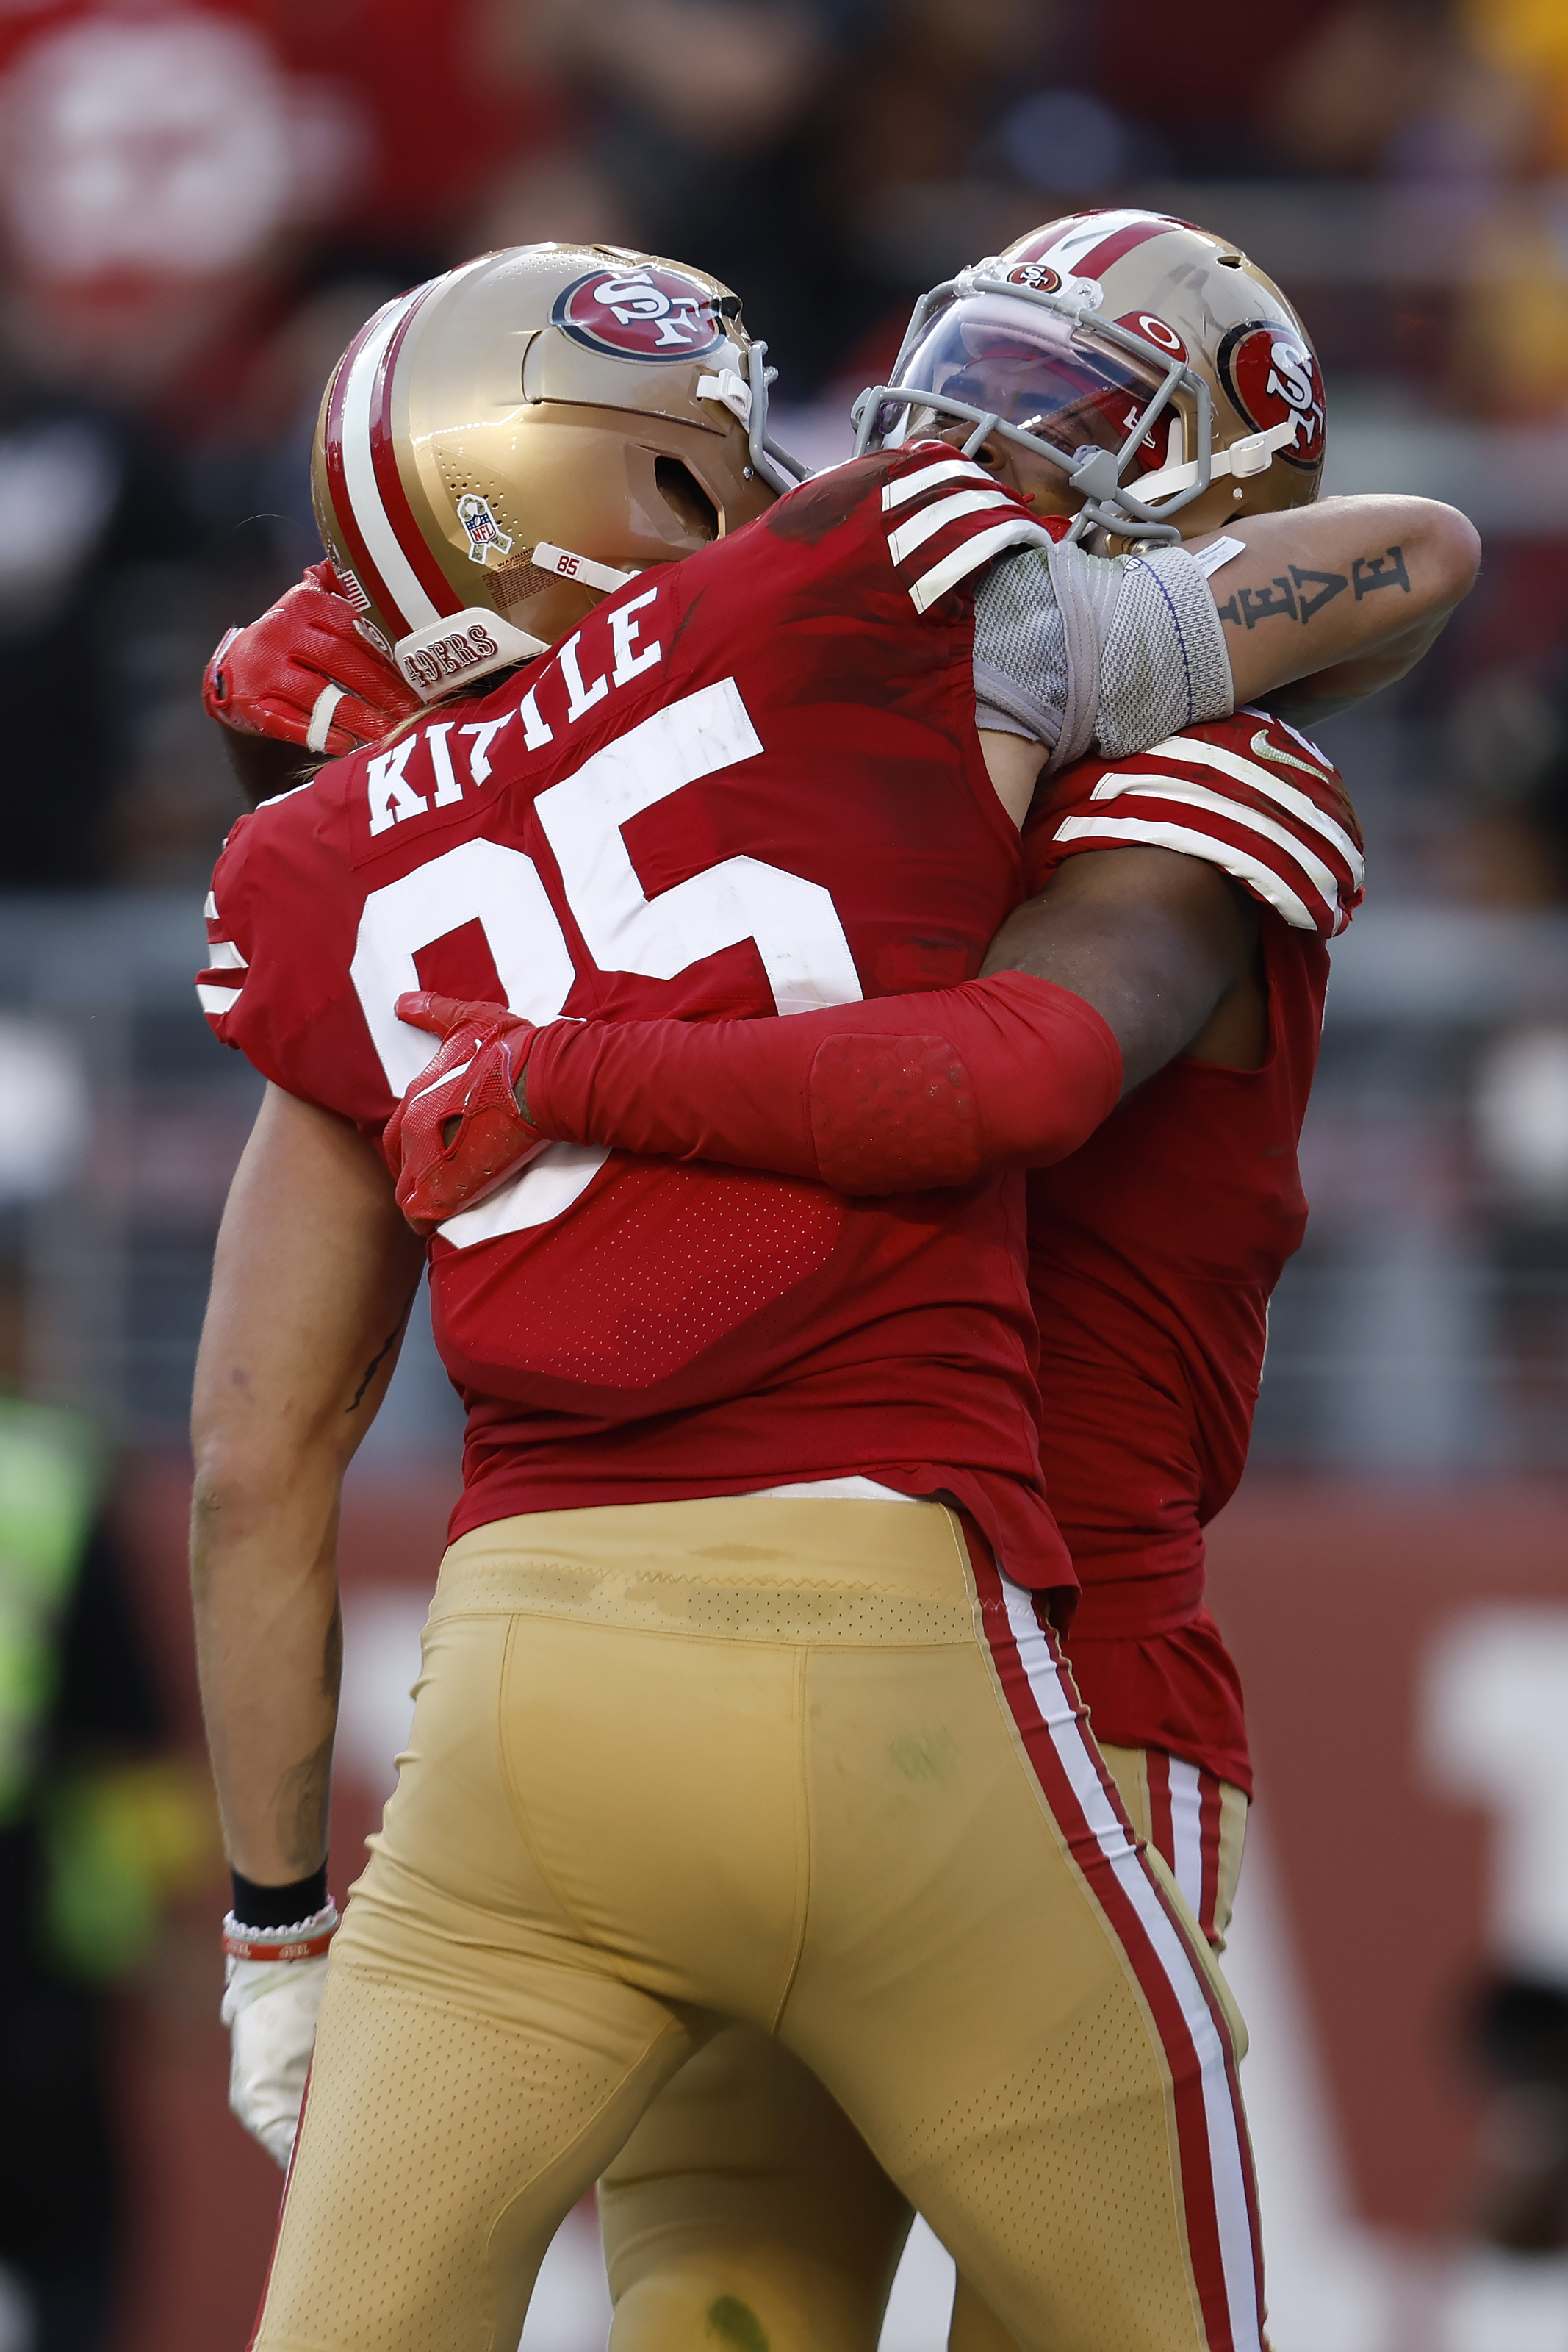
(303, 674)
(458, 1133)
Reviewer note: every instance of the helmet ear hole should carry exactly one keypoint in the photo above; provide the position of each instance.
(680, 488)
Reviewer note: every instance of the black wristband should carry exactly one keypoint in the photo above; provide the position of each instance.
(278, 1907)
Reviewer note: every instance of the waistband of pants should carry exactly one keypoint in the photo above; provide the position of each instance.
(732, 1568)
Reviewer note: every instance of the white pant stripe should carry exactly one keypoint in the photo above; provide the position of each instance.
(1186, 1831)
(1226, 2164)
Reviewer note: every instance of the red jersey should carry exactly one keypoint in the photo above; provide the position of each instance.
(753, 785)
(1154, 1248)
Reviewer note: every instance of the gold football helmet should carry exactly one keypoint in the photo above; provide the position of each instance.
(1149, 360)
(502, 445)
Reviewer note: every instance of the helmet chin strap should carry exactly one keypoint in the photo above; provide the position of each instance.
(1108, 502)
(1254, 455)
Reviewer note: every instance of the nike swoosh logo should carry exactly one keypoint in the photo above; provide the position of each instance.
(443, 1080)
(1263, 750)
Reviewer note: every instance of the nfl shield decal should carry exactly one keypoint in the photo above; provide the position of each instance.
(640, 313)
(485, 537)
(1271, 374)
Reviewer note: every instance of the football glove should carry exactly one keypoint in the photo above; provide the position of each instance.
(303, 674)
(457, 1133)
(274, 1980)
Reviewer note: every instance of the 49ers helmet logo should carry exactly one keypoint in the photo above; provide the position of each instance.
(646, 313)
(1271, 374)
(1039, 276)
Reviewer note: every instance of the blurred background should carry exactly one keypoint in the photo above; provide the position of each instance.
(198, 205)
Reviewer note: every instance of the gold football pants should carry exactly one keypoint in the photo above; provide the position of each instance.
(815, 1768)
(745, 2211)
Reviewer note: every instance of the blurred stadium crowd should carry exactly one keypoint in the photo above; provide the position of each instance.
(199, 201)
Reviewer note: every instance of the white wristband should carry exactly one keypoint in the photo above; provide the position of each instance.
(307, 1939)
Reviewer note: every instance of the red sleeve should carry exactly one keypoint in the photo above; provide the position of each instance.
(1246, 793)
(282, 918)
(895, 1096)
(946, 518)
(220, 984)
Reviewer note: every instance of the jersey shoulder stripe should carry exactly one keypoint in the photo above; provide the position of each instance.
(972, 554)
(927, 478)
(946, 518)
(218, 987)
(1270, 786)
(1248, 866)
(1190, 794)
(1236, 791)
(220, 983)
(936, 516)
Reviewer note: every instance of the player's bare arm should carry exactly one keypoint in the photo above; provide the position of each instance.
(1162, 945)
(313, 1278)
(1349, 593)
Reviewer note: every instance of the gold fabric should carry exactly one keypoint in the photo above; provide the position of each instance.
(676, 1767)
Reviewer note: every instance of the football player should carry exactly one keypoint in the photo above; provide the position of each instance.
(885, 1270)
(1152, 1252)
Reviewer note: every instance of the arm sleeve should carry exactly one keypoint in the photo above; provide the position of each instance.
(1071, 649)
(1076, 649)
(896, 1095)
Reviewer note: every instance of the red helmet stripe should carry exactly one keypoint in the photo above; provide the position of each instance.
(1123, 240)
(358, 554)
(389, 479)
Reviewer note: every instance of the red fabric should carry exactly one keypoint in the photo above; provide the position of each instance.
(807, 809)
(870, 1098)
(1178, 1691)
(1200, 1887)
(267, 679)
(1153, 1253)
(1265, 805)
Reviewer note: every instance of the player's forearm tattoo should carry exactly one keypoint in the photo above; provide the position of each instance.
(379, 1358)
(301, 1819)
(1301, 594)
(1385, 571)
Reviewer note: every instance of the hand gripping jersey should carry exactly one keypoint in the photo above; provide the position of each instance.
(1154, 1250)
(753, 785)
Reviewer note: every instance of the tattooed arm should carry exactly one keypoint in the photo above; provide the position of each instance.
(1343, 596)
(313, 1279)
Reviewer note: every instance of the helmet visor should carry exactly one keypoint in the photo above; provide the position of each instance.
(1037, 370)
